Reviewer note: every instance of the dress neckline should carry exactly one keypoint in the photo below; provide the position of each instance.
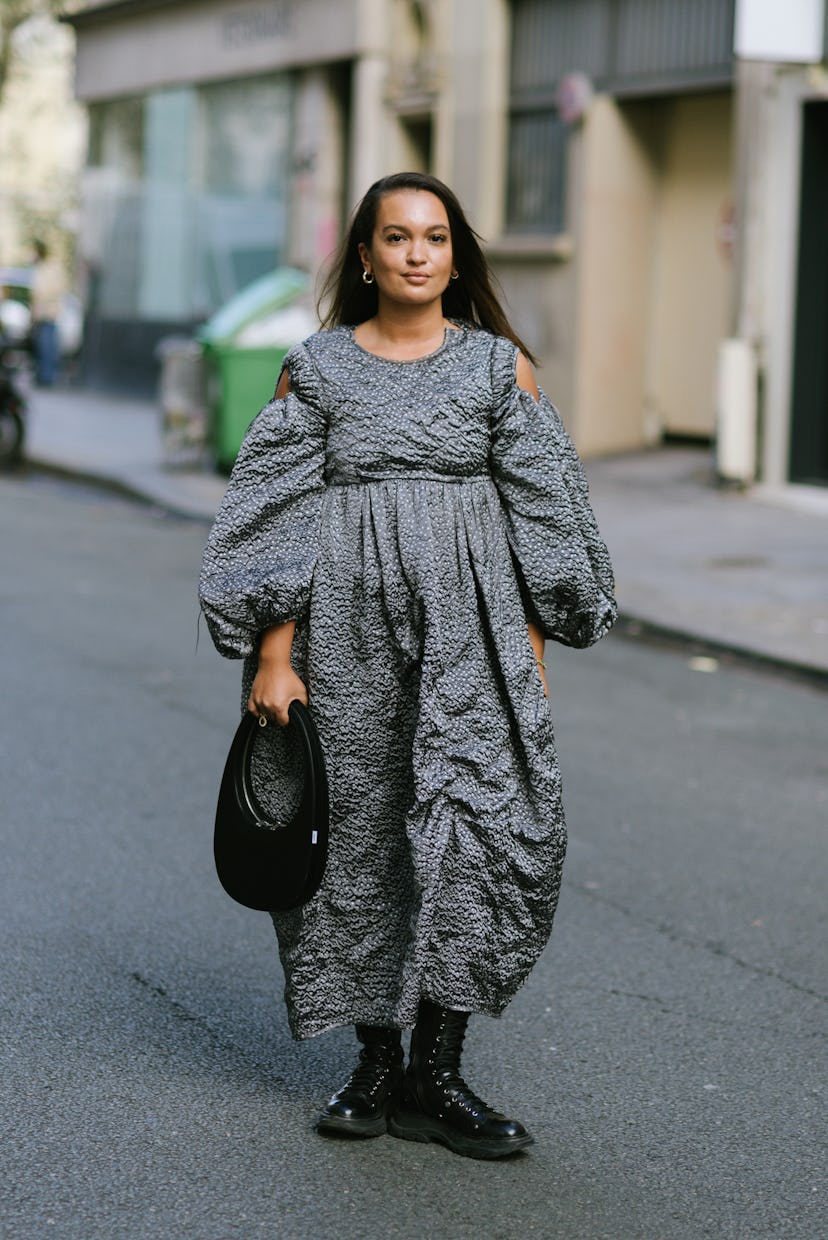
(448, 332)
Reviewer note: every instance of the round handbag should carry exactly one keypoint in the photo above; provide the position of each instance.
(263, 864)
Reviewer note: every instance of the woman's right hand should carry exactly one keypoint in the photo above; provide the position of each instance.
(276, 684)
(275, 687)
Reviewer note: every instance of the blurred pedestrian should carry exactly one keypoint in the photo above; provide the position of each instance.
(405, 526)
(47, 293)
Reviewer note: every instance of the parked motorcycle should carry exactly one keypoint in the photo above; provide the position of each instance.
(12, 410)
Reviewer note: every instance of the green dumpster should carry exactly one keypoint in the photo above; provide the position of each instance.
(244, 374)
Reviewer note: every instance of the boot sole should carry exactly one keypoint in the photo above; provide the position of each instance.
(352, 1127)
(409, 1126)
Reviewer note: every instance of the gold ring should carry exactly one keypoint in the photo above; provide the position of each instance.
(262, 721)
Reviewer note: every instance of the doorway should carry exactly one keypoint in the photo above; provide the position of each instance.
(809, 391)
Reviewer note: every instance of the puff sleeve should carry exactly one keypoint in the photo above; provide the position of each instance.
(260, 555)
(561, 560)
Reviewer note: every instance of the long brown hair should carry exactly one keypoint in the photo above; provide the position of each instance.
(471, 298)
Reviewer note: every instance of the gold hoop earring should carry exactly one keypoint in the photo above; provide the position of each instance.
(455, 275)
(367, 276)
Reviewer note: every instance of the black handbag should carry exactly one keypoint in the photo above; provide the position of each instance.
(262, 864)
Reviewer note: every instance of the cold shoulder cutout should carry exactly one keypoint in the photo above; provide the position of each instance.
(303, 374)
(525, 377)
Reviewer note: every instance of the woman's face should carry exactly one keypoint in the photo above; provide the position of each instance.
(410, 255)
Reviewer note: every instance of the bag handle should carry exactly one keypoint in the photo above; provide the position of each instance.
(302, 725)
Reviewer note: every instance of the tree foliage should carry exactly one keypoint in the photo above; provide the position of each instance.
(14, 13)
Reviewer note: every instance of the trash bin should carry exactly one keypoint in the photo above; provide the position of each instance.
(245, 344)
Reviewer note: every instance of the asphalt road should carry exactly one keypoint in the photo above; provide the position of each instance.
(669, 1052)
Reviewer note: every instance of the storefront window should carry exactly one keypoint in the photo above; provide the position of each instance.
(185, 197)
(244, 145)
(116, 136)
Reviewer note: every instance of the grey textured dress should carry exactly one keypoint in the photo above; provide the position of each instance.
(410, 516)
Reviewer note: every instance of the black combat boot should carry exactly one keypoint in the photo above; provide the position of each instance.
(436, 1104)
(361, 1107)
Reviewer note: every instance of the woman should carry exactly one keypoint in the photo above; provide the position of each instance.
(407, 523)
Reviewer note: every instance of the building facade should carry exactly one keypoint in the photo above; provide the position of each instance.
(596, 145)
(202, 173)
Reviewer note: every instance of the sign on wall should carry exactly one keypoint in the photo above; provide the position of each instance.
(790, 32)
(183, 44)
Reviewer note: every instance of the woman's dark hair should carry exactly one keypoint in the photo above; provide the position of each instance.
(471, 298)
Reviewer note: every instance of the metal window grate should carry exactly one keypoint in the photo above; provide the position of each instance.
(630, 47)
(620, 43)
(670, 44)
(554, 37)
(537, 150)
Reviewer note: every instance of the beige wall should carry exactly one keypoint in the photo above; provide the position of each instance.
(691, 279)
(653, 280)
(614, 231)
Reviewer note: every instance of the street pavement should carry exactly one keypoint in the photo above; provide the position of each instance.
(668, 1053)
(743, 572)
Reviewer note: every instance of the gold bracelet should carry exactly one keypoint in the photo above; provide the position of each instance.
(541, 663)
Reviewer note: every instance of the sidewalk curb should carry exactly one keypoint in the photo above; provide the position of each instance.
(120, 487)
(638, 628)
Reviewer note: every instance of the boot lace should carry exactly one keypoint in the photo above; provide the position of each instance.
(372, 1071)
(446, 1069)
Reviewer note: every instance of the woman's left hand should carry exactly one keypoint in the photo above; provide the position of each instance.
(538, 645)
